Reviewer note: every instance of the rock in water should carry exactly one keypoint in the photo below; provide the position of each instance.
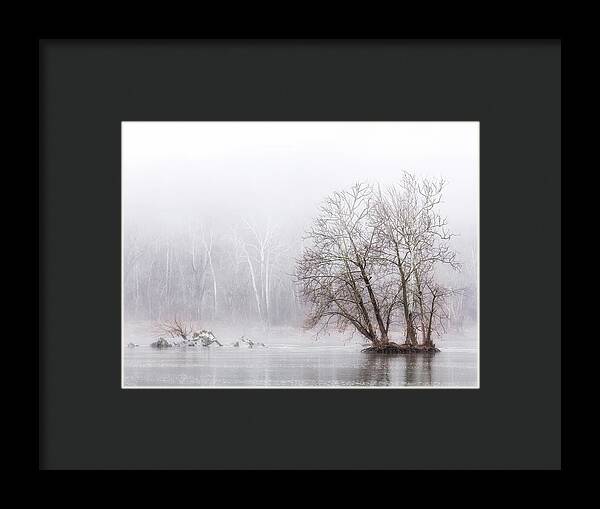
(203, 334)
(161, 343)
(205, 337)
(250, 343)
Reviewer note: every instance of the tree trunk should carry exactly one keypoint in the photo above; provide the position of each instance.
(256, 294)
(215, 307)
(371, 334)
(374, 303)
(361, 264)
(411, 333)
(428, 341)
(267, 283)
(421, 307)
(411, 336)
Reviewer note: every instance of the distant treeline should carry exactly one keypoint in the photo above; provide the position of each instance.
(240, 271)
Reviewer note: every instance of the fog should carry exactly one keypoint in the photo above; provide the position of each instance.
(199, 199)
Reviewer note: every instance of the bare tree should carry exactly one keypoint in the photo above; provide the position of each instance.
(433, 305)
(413, 240)
(207, 239)
(373, 253)
(133, 252)
(340, 274)
(261, 250)
(175, 328)
(198, 266)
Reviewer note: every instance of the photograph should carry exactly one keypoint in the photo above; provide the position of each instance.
(339, 255)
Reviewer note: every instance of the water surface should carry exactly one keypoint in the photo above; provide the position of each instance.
(311, 365)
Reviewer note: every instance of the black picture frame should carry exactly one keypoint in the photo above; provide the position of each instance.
(87, 87)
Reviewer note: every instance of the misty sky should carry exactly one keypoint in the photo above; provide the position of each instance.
(177, 171)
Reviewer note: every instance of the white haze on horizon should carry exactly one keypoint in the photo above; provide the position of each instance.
(174, 171)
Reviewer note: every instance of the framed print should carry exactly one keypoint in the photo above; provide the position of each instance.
(299, 233)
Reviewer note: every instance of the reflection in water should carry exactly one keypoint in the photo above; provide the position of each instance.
(375, 370)
(403, 369)
(418, 369)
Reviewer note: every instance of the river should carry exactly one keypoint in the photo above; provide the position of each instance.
(292, 361)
